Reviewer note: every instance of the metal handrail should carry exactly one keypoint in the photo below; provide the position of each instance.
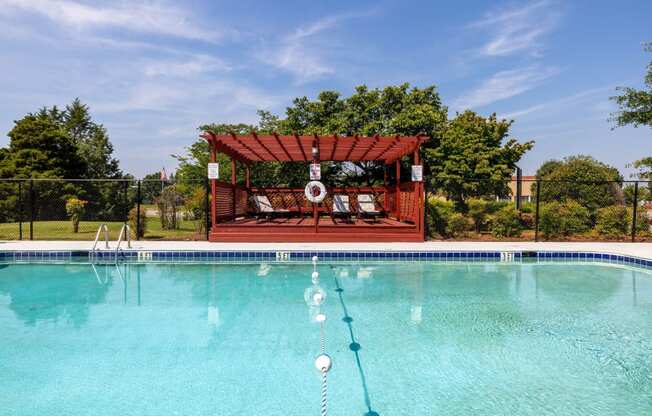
(122, 234)
(97, 236)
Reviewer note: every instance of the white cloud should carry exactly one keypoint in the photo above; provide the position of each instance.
(517, 29)
(315, 27)
(301, 61)
(298, 54)
(153, 18)
(503, 85)
(561, 104)
(185, 68)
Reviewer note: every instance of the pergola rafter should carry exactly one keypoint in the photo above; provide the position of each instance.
(297, 148)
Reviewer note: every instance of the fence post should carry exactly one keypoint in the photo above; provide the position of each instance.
(31, 209)
(138, 212)
(20, 210)
(126, 201)
(536, 217)
(519, 187)
(207, 206)
(635, 211)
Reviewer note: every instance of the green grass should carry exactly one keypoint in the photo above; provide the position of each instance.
(62, 230)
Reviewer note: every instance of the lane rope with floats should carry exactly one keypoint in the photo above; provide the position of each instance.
(314, 297)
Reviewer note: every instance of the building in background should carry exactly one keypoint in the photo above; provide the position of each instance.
(527, 189)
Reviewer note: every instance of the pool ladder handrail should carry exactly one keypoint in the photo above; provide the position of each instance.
(124, 228)
(97, 237)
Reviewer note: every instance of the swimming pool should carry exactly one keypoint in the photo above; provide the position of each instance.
(406, 338)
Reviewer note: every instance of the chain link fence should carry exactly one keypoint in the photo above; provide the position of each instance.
(71, 209)
(520, 210)
(540, 210)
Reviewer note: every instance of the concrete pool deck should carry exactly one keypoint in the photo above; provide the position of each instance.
(640, 250)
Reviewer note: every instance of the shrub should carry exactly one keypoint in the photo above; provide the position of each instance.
(613, 221)
(575, 218)
(138, 232)
(527, 220)
(563, 219)
(457, 225)
(75, 209)
(642, 222)
(550, 220)
(168, 203)
(528, 207)
(506, 223)
(439, 212)
(495, 206)
(477, 212)
(196, 209)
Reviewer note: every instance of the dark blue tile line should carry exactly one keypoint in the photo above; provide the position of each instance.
(593, 256)
(303, 256)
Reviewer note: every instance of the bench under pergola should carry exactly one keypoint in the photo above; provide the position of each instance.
(234, 216)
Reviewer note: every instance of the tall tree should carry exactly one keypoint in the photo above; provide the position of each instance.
(583, 179)
(41, 147)
(636, 105)
(644, 168)
(92, 141)
(475, 157)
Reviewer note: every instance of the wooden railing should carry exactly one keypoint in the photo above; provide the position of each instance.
(231, 201)
(294, 199)
(409, 202)
(234, 201)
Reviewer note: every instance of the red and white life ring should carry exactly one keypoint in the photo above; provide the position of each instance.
(315, 192)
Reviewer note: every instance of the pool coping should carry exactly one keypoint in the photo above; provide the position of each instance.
(635, 254)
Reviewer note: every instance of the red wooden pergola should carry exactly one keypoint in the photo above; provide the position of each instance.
(233, 216)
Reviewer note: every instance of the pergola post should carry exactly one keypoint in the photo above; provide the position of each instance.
(398, 189)
(315, 208)
(418, 189)
(233, 185)
(385, 199)
(213, 188)
(247, 177)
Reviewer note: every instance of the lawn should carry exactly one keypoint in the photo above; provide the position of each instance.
(62, 230)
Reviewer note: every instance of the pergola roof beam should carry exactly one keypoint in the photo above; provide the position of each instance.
(275, 147)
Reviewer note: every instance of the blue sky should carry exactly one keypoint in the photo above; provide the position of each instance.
(154, 71)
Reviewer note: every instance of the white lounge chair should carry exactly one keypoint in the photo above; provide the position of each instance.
(367, 207)
(265, 209)
(341, 206)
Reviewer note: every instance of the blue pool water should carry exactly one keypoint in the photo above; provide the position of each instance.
(406, 339)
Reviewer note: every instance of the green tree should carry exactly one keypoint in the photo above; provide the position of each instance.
(644, 173)
(591, 183)
(474, 157)
(92, 141)
(635, 105)
(40, 147)
(548, 167)
(52, 143)
(151, 187)
(94, 147)
(392, 110)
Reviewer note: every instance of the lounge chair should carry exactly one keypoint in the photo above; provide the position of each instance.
(367, 207)
(341, 207)
(265, 209)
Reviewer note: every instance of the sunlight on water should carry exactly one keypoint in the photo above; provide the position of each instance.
(406, 339)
